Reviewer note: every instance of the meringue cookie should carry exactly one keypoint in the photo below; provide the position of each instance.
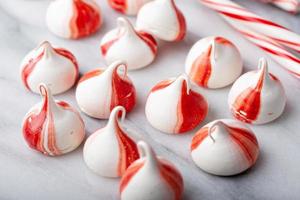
(173, 107)
(53, 127)
(213, 62)
(73, 18)
(109, 151)
(128, 7)
(162, 19)
(151, 178)
(99, 91)
(138, 49)
(224, 147)
(56, 67)
(257, 97)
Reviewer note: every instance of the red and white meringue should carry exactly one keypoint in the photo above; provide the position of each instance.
(73, 19)
(213, 62)
(53, 127)
(173, 107)
(257, 97)
(151, 177)
(137, 48)
(128, 7)
(100, 90)
(224, 147)
(109, 151)
(56, 67)
(162, 19)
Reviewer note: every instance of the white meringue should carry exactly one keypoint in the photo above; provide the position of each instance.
(151, 178)
(138, 49)
(109, 151)
(128, 7)
(73, 18)
(224, 147)
(53, 127)
(162, 19)
(56, 67)
(257, 97)
(213, 62)
(173, 107)
(99, 91)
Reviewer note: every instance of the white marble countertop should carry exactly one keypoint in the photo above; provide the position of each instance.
(26, 174)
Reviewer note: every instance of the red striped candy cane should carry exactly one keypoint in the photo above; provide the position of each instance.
(292, 6)
(272, 48)
(274, 31)
(267, 35)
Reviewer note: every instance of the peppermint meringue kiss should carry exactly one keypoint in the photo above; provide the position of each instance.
(151, 177)
(224, 147)
(53, 127)
(162, 19)
(109, 151)
(213, 62)
(257, 97)
(173, 107)
(56, 67)
(73, 18)
(137, 48)
(99, 91)
(128, 7)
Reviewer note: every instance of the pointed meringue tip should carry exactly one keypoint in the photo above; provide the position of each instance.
(124, 23)
(46, 94)
(145, 151)
(216, 124)
(45, 43)
(181, 79)
(44, 90)
(262, 63)
(115, 66)
(117, 63)
(263, 67)
(115, 113)
(48, 49)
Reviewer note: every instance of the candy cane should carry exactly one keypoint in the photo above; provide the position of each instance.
(267, 35)
(274, 31)
(292, 6)
(276, 51)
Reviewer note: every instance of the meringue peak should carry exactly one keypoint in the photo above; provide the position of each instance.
(115, 118)
(48, 99)
(48, 50)
(180, 80)
(43, 129)
(77, 18)
(234, 148)
(162, 19)
(263, 70)
(217, 127)
(213, 62)
(137, 48)
(156, 176)
(115, 66)
(125, 26)
(145, 151)
(110, 151)
(173, 107)
(57, 68)
(257, 97)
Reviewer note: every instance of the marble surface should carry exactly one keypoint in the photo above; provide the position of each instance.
(26, 174)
